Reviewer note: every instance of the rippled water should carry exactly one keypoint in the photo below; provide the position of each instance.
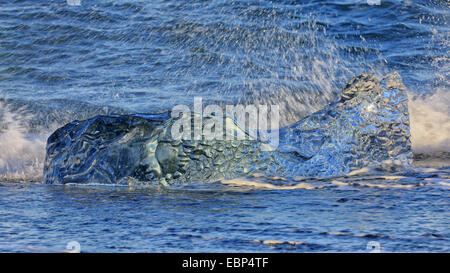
(338, 217)
(61, 62)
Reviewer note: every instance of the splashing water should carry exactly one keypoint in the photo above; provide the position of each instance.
(22, 154)
(430, 123)
(304, 73)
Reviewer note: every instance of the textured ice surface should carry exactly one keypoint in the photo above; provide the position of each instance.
(366, 125)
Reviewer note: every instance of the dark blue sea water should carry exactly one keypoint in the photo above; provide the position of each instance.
(59, 62)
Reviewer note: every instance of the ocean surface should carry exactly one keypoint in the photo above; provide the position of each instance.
(60, 61)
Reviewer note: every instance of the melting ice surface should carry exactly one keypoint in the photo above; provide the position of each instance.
(60, 63)
(366, 125)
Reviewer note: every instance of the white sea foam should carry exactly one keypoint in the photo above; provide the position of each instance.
(256, 184)
(21, 154)
(430, 122)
